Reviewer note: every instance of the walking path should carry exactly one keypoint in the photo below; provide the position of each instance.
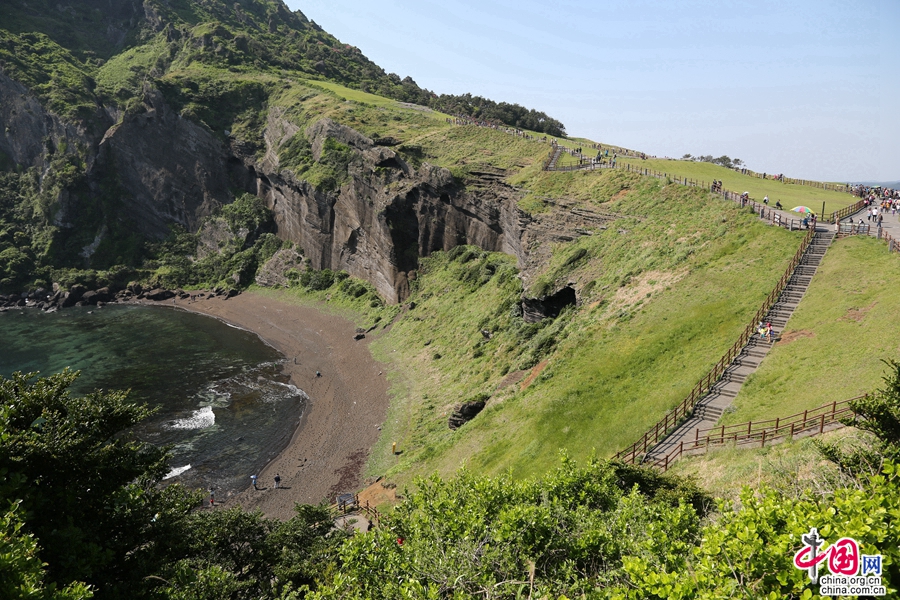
(710, 408)
(890, 225)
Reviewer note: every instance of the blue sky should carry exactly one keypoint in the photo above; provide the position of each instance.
(810, 89)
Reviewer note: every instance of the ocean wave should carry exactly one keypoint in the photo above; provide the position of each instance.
(177, 471)
(199, 419)
(292, 389)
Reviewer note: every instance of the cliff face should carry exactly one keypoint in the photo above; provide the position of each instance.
(174, 170)
(385, 217)
(171, 170)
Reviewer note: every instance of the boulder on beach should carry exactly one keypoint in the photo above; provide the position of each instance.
(159, 294)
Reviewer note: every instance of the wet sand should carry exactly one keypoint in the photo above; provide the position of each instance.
(340, 423)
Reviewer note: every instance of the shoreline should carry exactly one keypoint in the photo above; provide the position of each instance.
(347, 405)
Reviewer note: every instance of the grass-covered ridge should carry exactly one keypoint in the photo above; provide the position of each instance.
(790, 195)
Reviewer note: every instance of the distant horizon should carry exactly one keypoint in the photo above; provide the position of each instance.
(802, 88)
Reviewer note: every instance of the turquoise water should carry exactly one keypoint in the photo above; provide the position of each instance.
(223, 401)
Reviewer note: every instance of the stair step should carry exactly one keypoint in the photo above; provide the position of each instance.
(734, 378)
(708, 413)
(723, 391)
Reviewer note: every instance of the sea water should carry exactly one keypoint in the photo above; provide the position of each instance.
(223, 403)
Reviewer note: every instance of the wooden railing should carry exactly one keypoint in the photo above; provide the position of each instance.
(892, 242)
(684, 409)
(848, 229)
(348, 508)
(845, 229)
(847, 211)
(757, 434)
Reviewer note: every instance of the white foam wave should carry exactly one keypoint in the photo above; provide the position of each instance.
(177, 471)
(200, 419)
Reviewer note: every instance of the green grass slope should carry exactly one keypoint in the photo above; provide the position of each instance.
(833, 345)
(793, 467)
(666, 288)
(790, 195)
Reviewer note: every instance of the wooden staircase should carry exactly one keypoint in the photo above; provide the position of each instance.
(709, 409)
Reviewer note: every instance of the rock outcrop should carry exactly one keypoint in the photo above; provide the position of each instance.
(174, 170)
(386, 214)
(463, 413)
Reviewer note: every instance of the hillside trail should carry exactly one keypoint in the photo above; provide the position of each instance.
(710, 408)
(890, 225)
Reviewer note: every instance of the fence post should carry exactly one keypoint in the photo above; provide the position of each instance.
(763, 439)
(792, 430)
(822, 425)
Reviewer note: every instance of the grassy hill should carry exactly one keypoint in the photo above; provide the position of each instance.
(666, 289)
(790, 195)
(833, 346)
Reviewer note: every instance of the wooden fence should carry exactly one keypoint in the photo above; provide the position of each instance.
(848, 229)
(345, 506)
(604, 162)
(892, 242)
(757, 434)
(684, 409)
(845, 229)
(847, 211)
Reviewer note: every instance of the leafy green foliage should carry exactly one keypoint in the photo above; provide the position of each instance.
(237, 554)
(223, 103)
(879, 413)
(50, 71)
(498, 537)
(235, 260)
(488, 110)
(322, 280)
(22, 571)
(88, 491)
(88, 494)
(748, 551)
(330, 171)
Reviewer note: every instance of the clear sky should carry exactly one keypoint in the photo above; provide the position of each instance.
(808, 88)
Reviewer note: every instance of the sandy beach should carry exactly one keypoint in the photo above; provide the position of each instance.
(348, 402)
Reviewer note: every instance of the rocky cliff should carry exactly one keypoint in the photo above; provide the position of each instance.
(381, 216)
(386, 215)
(172, 170)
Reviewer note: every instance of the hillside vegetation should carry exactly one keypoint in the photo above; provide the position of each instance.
(665, 277)
(833, 346)
(790, 195)
(665, 289)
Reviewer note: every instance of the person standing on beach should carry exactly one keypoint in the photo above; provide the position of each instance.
(253, 478)
(277, 481)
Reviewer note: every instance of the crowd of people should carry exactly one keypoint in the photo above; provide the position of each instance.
(887, 198)
(872, 192)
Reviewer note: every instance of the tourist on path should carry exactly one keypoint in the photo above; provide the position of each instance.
(277, 481)
(253, 478)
